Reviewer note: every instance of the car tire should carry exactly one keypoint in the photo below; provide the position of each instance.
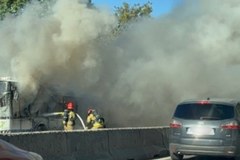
(41, 127)
(175, 156)
(236, 158)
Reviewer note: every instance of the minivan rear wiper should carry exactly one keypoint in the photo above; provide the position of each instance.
(210, 118)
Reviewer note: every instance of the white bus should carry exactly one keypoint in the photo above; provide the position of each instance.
(18, 115)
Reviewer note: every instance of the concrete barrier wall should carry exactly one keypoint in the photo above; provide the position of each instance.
(112, 144)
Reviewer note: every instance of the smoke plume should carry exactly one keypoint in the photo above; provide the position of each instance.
(136, 78)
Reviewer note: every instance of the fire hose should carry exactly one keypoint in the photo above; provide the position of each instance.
(61, 113)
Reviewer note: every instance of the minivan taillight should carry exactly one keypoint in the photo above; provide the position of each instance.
(175, 124)
(231, 125)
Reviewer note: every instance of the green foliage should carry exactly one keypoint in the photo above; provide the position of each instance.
(16, 7)
(11, 6)
(126, 14)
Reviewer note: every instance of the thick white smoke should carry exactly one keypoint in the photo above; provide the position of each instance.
(137, 78)
(191, 53)
(54, 48)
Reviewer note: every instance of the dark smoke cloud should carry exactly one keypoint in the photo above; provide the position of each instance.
(137, 78)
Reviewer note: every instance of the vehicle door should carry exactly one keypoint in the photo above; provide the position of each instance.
(5, 109)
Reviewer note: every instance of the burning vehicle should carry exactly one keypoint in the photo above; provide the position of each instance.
(44, 113)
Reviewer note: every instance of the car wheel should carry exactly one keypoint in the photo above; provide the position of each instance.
(175, 156)
(41, 127)
(236, 158)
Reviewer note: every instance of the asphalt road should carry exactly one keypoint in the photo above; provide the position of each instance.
(196, 158)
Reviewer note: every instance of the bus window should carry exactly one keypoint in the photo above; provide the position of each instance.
(3, 87)
(3, 90)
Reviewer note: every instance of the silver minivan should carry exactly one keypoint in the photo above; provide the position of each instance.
(208, 127)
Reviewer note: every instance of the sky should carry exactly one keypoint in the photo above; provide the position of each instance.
(160, 7)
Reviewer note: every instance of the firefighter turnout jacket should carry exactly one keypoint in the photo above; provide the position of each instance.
(69, 120)
(94, 121)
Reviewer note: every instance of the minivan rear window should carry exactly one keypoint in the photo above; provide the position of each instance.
(204, 111)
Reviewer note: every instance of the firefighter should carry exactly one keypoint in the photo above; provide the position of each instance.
(69, 117)
(94, 120)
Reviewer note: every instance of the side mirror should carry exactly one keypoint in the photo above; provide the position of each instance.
(15, 95)
(13, 88)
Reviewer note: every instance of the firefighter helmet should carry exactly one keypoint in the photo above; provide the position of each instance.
(70, 105)
(89, 111)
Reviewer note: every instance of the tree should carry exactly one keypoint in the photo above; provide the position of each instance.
(126, 14)
(11, 6)
(15, 7)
